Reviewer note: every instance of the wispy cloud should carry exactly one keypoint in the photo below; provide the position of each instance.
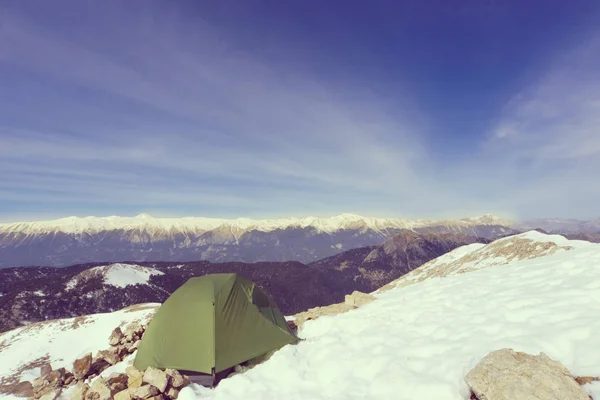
(164, 113)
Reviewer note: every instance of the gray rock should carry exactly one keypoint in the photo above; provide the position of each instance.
(144, 392)
(99, 390)
(111, 356)
(115, 336)
(176, 379)
(509, 375)
(156, 378)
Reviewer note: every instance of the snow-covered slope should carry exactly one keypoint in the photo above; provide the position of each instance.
(533, 293)
(60, 342)
(117, 275)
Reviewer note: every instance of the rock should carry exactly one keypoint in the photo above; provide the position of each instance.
(82, 366)
(157, 397)
(117, 382)
(98, 365)
(132, 330)
(134, 377)
(176, 379)
(79, 391)
(99, 390)
(115, 336)
(172, 393)
(56, 377)
(110, 356)
(584, 380)
(134, 346)
(45, 385)
(123, 395)
(52, 395)
(21, 389)
(45, 369)
(144, 392)
(122, 351)
(157, 378)
(509, 375)
(358, 298)
(314, 313)
(69, 380)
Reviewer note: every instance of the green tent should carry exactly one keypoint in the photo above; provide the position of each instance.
(212, 323)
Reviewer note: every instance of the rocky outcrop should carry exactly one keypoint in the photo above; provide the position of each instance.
(358, 299)
(509, 375)
(317, 312)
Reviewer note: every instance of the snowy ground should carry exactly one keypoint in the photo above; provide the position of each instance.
(117, 275)
(61, 342)
(419, 341)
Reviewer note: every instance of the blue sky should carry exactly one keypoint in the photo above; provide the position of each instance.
(278, 108)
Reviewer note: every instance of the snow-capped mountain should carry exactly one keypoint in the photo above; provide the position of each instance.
(40, 293)
(74, 240)
(417, 340)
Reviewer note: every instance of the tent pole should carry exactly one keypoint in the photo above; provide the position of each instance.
(214, 377)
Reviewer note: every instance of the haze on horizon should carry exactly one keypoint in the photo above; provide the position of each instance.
(270, 109)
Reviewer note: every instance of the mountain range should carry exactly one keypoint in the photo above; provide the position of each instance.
(30, 294)
(74, 240)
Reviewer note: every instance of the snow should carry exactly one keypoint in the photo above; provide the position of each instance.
(123, 275)
(593, 389)
(419, 341)
(62, 340)
(413, 342)
(147, 223)
(117, 275)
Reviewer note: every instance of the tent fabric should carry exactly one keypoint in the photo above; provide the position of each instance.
(214, 321)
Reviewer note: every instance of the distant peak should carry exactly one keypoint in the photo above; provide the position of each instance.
(144, 216)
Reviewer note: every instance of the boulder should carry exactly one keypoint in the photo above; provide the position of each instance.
(134, 329)
(45, 385)
(110, 356)
(45, 369)
(57, 377)
(358, 298)
(98, 365)
(134, 377)
(22, 389)
(115, 336)
(157, 397)
(117, 382)
(144, 392)
(82, 366)
(99, 390)
(509, 375)
(176, 379)
(79, 391)
(172, 393)
(156, 378)
(52, 395)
